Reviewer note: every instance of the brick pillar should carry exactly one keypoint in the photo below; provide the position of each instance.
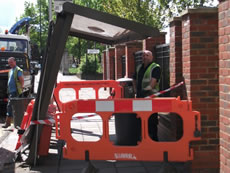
(224, 81)
(151, 42)
(111, 64)
(176, 55)
(119, 52)
(201, 72)
(130, 49)
(175, 68)
(104, 65)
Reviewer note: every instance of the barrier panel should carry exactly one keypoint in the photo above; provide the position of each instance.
(25, 122)
(96, 85)
(147, 149)
(44, 142)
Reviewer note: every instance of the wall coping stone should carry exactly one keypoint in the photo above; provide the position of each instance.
(119, 45)
(161, 33)
(134, 42)
(175, 19)
(199, 10)
(111, 48)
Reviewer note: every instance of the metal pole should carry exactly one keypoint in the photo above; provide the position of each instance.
(36, 131)
(40, 26)
(95, 60)
(50, 10)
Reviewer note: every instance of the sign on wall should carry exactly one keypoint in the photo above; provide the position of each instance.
(93, 51)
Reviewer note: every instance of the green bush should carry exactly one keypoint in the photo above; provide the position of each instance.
(73, 70)
(88, 67)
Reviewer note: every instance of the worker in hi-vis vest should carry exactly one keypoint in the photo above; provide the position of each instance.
(146, 82)
(15, 87)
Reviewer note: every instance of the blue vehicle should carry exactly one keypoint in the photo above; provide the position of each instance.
(15, 28)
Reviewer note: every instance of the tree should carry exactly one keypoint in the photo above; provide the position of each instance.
(142, 11)
(78, 47)
(154, 13)
(33, 11)
(172, 8)
(150, 12)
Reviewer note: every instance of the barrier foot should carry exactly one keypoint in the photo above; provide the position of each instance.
(167, 167)
(90, 168)
(60, 145)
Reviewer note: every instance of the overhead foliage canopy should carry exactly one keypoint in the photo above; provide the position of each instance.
(171, 8)
(150, 12)
(142, 11)
(38, 35)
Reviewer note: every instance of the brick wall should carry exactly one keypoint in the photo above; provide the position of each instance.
(176, 56)
(176, 75)
(113, 61)
(119, 52)
(111, 64)
(201, 72)
(151, 42)
(130, 49)
(224, 81)
(206, 72)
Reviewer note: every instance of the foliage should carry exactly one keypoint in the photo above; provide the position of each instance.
(74, 70)
(150, 12)
(89, 65)
(33, 11)
(78, 47)
(154, 13)
(142, 11)
(172, 8)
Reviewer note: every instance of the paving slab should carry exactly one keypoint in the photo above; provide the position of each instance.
(7, 146)
(131, 169)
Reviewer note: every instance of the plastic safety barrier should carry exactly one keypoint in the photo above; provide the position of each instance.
(44, 142)
(96, 85)
(147, 149)
(25, 122)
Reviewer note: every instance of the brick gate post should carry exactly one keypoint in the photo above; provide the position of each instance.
(201, 73)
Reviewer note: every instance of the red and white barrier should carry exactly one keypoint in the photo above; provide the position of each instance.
(51, 121)
(47, 122)
(112, 106)
(166, 90)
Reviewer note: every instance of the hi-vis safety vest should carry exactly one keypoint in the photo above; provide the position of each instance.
(147, 78)
(18, 84)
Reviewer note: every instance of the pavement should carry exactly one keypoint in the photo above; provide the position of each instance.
(87, 129)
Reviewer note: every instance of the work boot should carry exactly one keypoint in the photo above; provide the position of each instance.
(7, 123)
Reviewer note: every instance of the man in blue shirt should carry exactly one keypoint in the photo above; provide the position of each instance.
(15, 87)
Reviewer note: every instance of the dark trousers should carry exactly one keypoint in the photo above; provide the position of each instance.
(152, 124)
